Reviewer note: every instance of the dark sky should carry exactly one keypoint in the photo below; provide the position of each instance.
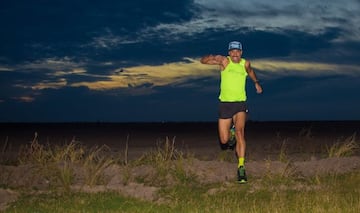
(121, 61)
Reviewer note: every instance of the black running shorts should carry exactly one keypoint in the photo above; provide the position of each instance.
(229, 109)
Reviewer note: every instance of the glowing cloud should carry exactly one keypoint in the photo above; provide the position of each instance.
(150, 76)
(78, 71)
(304, 68)
(62, 82)
(26, 99)
(140, 80)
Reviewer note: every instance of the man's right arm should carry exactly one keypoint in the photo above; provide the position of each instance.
(213, 59)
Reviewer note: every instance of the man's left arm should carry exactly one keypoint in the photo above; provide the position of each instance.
(253, 77)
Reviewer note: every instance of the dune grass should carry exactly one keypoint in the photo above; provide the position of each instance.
(344, 148)
(169, 163)
(326, 194)
(283, 192)
(59, 162)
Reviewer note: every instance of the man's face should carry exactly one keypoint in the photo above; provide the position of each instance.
(235, 55)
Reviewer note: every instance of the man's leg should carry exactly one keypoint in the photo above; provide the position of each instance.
(224, 130)
(239, 121)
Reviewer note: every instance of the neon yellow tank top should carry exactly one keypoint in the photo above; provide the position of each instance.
(233, 80)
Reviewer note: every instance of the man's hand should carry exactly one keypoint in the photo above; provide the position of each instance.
(258, 87)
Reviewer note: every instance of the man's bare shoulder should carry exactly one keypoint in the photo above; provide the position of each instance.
(247, 63)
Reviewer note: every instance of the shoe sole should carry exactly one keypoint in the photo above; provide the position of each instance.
(242, 181)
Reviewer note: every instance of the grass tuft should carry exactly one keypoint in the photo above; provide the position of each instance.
(34, 153)
(345, 148)
(283, 156)
(168, 162)
(5, 155)
(165, 152)
(95, 162)
(306, 133)
(58, 162)
(226, 156)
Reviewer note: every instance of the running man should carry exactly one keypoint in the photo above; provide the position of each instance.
(232, 106)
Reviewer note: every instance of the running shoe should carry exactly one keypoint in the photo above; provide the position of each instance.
(241, 175)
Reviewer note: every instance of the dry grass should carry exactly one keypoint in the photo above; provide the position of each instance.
(306, 133)
(58, 162)
(95, 162)
(343, 148)
(165, 151)
(168, 162)
(34, 153)
(283, 156)
(280, 189)
(4, 159)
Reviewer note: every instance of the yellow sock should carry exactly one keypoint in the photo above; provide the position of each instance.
(241, 162)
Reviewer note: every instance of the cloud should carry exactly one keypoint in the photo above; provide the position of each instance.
(148, 76)
(45, 84)
(135, 80)
(144, 79)
(54, 63)
(76, 71)
(26, 99)
(296, 68)
(313, 17)
(309, 16)
(109, 40)
(5, 69)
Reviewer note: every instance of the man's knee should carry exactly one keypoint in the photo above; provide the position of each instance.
(223, 139)
(240, 131)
